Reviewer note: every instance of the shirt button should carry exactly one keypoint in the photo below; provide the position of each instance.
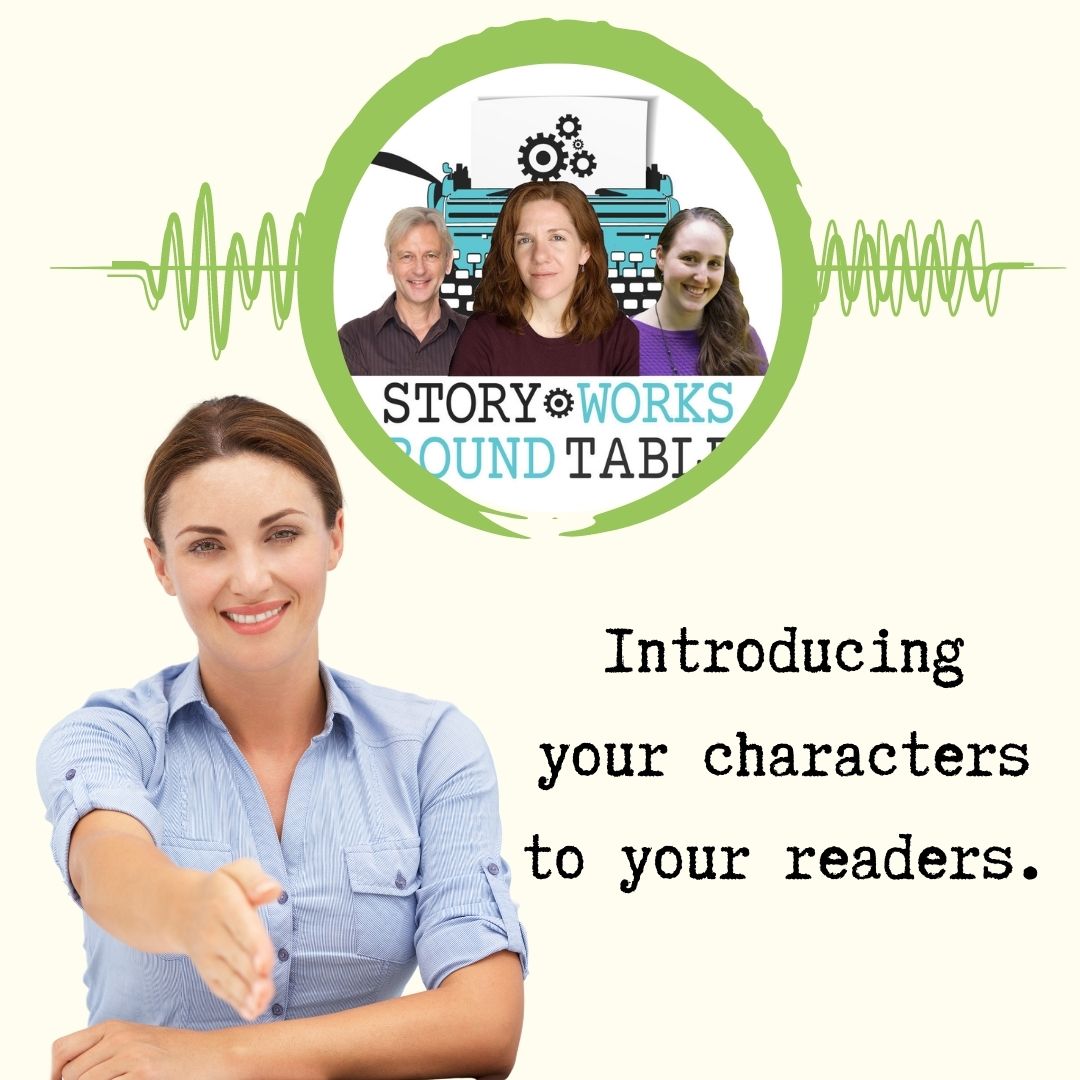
(492, 868)
(400, 881)
(278, 1009)
(283, 955)
(283, 898)
(69, 775)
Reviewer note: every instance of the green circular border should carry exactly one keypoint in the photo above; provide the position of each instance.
(546, 41)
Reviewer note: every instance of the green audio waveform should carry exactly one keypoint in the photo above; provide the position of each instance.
(892, 270)
(237, 273)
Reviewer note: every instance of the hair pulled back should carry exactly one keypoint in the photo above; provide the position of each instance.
(225, 427)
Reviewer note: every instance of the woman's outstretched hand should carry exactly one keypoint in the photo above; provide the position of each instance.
(222, 934)
(131, 889)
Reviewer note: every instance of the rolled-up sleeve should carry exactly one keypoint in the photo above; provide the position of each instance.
(464, 912)
(95, 759)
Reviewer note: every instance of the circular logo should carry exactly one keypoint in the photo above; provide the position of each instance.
(577, 142)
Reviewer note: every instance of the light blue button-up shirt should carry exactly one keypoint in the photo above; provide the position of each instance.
(388, 856)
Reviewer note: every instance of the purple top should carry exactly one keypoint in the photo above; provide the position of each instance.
(684, 348)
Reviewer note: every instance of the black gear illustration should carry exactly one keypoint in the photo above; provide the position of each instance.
(559, 403)
(583, 163)
(578, 144)
(568, 126)
(542, 157)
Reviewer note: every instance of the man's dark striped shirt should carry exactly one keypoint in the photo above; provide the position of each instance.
(381, 344)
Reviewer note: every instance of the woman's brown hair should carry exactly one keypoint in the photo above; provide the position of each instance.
(224, 427)
(592, 309)
(724, 334)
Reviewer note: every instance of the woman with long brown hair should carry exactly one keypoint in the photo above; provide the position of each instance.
(699, 325)
(256, 838)
(543, 306)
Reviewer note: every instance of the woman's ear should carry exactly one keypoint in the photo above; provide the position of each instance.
(337, 540)
(585, 255)
(157, 557)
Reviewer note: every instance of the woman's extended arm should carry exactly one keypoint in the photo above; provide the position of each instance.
(468, 1026)
(131, 889)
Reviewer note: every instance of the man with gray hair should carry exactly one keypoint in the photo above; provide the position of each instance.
(415, 332)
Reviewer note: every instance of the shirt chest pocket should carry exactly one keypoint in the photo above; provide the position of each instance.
(202, 855)
(383, 879)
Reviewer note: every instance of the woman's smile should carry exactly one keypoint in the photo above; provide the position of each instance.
(693, 270)
(246, 553)
(256, 618)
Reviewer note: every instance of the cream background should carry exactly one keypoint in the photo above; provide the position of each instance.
(920, 477)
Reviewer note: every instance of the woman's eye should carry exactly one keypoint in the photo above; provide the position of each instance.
(284, 535)
(204, 547)
(522, 240)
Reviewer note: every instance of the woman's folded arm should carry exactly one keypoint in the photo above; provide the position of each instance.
(468, 1027)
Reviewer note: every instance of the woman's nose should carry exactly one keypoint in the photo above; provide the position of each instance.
(250, 575)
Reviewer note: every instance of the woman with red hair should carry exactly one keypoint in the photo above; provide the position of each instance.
(543, 306)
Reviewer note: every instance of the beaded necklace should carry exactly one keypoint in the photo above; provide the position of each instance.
(663, 338)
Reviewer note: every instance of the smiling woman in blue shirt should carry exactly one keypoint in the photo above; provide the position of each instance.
(255, 838)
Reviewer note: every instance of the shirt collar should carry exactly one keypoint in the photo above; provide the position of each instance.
(187, 689)
(337, 704)
(447, 315)
(387, 312)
